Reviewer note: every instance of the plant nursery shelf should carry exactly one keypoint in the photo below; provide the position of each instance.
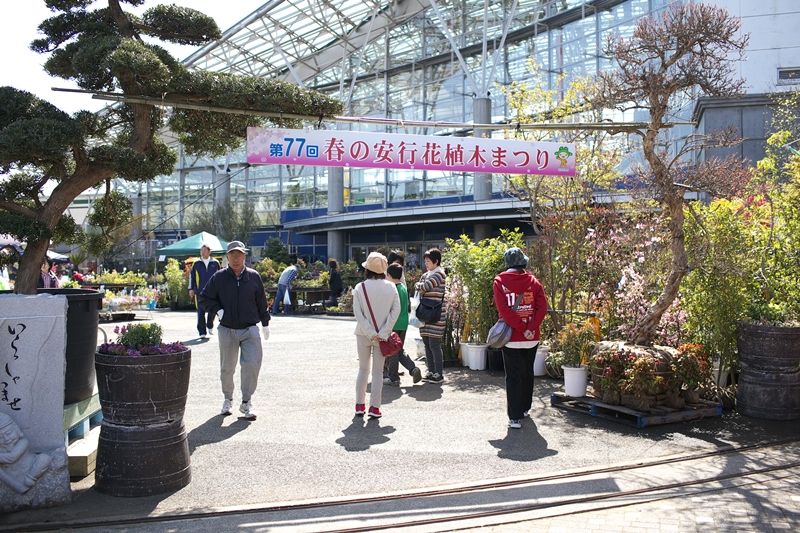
(640, 419)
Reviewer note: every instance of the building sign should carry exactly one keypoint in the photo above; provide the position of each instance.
(266, 146)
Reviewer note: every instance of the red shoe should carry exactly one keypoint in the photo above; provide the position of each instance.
(374, 412)
(360, 409)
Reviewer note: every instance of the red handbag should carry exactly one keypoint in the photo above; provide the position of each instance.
(393, 344)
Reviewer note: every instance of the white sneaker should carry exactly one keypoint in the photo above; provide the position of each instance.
(203, 336)
(514, 424)
(247, 409)
(526, 414)
(227, 408)
(210, 332)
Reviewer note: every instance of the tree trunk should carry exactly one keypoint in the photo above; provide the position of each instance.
(644, 333)
(30, 266)
(85, 176)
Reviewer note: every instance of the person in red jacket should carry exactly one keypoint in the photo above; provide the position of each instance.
(519, 353)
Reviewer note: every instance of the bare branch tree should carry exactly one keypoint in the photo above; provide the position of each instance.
(688, 51)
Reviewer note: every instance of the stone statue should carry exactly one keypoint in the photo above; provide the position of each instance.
(20, 469)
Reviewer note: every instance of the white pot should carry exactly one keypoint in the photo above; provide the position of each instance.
(539, 368)
(575, 381)
(464, 353)
(722, 380)
(477, 356)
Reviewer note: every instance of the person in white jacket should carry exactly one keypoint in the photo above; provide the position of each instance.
(381, 296)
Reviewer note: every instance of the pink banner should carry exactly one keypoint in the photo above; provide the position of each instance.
(267, 146)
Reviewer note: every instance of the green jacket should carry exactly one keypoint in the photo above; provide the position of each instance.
(402, 320)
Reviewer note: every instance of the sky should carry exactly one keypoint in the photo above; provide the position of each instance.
(22, 68)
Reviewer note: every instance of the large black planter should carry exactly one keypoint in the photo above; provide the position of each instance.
(83, 318)
(768, 348)
(145, 389)
(143, 448)
(768, 395)
(769, 382)
(135, 461)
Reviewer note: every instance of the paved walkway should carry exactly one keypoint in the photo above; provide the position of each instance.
(307, 446)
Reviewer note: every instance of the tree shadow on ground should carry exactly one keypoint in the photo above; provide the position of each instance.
(730, 429)
(212, 431)
(363, 433)
(474, 381)
(525, 444)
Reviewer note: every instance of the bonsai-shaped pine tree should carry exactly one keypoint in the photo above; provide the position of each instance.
(687, 52)
(42, 147)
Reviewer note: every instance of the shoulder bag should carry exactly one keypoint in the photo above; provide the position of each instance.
(393, 344)
(429, 310)
(500, 333)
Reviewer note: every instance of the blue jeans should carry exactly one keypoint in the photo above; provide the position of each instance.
(282, 290)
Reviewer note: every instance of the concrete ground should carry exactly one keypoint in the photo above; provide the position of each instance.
(307, 446)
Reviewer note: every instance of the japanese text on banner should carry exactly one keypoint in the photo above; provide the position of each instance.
(266, 146)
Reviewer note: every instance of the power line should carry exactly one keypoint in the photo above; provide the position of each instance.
(229, 176)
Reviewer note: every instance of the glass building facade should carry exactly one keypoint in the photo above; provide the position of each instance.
(412, 60)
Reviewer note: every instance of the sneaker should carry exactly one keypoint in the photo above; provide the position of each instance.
(247, 409)
(417, 373)
(526, 414)
(360, 409)
(428, 376)
(435, 378)
(374, 412)
(388, 381)
(210, 332)
(203, 336)
(514, 424)
(227, 408)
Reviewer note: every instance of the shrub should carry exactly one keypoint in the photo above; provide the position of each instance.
(576, 342)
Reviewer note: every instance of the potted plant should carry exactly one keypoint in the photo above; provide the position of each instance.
(177, 285)
(608, 372)
(692, 371)
(473, 267)
(641, 383)
(143, 383)
(576, 342)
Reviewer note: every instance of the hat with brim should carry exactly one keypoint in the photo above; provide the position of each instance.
(236, 246)
(515, 258)
(376, 262)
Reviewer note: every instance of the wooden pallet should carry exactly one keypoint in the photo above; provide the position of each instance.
(640, 419)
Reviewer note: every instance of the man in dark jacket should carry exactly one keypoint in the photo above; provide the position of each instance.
(202, 270)
(236, 295)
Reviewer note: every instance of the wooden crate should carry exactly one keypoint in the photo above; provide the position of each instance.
(640, 419)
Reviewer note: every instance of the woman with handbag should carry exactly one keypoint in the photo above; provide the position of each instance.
(517, 287)
(431, 287)
(376, 306)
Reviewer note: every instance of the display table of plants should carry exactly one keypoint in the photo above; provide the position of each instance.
(143, 384)
(645, 386)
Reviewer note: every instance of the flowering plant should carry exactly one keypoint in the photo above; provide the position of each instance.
(140, 339)
(641, 378)
(610, 366)
(692, 366)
